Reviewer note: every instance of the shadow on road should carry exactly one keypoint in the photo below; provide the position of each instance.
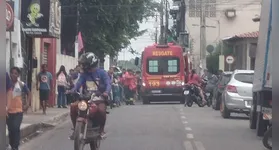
(239, 118)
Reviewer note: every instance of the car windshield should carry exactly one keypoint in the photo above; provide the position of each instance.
(163, 65)
(244, 77)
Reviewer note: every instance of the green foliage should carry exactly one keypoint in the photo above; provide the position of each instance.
(212, 61)
(129, 64)
(107, 26)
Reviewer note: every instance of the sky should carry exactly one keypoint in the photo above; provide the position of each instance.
(146, 39)
(142, 41)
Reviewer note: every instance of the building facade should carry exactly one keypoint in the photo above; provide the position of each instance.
(223, 18)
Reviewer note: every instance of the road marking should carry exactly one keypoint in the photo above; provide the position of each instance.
(190, 136)
(183, 117)
(184, 122)
(199, 145)
(181, 109)
(188, 129)
(188, 145)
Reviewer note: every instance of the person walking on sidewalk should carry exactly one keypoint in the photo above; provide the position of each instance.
(62, 84)
(44, 85)
(15, 107)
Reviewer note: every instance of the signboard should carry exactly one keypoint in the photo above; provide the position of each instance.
(39, 18)
(10, 15)
(162, 53)
(230, 59)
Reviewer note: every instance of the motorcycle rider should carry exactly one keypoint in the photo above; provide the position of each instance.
(195, 79)
(93, 79)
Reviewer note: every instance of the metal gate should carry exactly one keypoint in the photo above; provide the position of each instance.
(45, 54)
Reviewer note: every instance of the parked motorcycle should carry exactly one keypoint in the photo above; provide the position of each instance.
(192, 94)
(87, 131)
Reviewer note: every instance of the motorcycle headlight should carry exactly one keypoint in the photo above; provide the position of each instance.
(186, 92)
(82, 105)
(143, 84)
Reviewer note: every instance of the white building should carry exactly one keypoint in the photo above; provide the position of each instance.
(224, 18)
(13, 46)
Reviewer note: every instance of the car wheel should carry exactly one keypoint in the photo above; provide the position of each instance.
(253, 116)
(225, 113)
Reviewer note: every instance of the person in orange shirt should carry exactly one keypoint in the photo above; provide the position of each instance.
(15, 107)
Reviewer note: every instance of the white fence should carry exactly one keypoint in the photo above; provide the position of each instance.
(68, 61)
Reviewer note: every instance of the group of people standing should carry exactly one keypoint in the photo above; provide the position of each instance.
(128, 83)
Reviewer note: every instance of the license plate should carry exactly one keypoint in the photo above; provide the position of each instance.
(186, 92)
(207, 94)
(156, 91)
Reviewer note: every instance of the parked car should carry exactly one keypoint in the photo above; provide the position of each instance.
(218, 90)
(237, 96)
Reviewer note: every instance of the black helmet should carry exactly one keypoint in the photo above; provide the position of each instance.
(88, 60)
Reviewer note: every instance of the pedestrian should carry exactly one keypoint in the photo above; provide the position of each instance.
(15, 107)
(44, 85)
(62, 84)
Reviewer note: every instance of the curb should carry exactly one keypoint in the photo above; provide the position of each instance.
(33, 128)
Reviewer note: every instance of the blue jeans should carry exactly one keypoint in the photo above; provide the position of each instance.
(61, 99)
(14, 121)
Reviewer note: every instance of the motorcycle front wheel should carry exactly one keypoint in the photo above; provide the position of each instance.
(78, 135)
(188, 101)
(267, 139)
(96, 144)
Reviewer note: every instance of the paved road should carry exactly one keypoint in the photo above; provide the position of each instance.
(161, 127)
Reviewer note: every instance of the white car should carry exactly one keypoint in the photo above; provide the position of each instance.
(237, 96)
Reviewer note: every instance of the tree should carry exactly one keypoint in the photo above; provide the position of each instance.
(107, 26)
(212, 61)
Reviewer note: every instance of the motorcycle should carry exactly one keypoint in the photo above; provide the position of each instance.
(87, 131)
(267, 139)
(191, 93)
(207, 95)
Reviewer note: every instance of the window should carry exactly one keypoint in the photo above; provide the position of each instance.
(153, 66)
(172, 65)
(244, 77)
(163, 66)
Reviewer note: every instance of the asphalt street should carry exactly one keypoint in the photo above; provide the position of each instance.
(161, 127)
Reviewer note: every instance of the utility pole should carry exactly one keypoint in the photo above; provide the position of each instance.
(167, 23)
(161, 39)
(77, 24)
(202, 35)
(156, 29)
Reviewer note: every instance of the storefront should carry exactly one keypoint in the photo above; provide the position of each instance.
(41, 21)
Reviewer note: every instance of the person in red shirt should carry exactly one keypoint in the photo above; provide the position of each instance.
(195, 79)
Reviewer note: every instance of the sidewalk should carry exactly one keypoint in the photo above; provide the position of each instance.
(34, 121)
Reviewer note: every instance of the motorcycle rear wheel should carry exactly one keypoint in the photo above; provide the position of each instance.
(78, 133)
(267, 137)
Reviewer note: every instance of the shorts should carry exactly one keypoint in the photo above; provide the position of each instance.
(44, 95)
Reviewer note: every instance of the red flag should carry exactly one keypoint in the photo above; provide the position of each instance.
(80, 42)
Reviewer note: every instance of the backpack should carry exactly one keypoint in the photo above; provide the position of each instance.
(62, 79)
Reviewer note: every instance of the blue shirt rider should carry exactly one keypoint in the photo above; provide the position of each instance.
(92, 79)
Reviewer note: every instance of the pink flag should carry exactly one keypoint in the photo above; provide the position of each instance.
(80, 42)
